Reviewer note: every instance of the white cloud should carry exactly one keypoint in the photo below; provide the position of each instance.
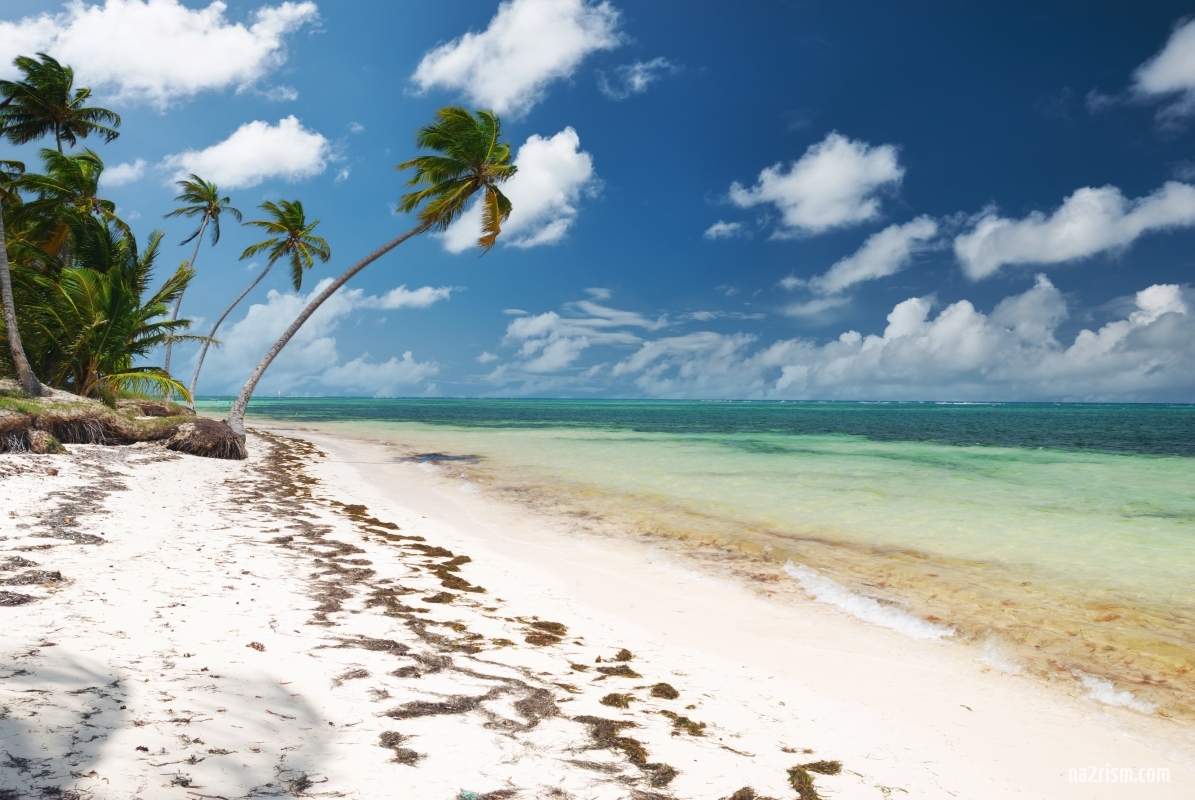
(124, 173)
(486, 357)
(634, 78)
(356, 127)
(883, 254)
(312, 360)
(1171, 73)
(255, 152)
(387, 379)
(528, 45)
(401, 297)
(1011, 353)
(816, 307)
(723, 230)
(157, 51)
(834, 184)
(553, 174)
(1090, 221)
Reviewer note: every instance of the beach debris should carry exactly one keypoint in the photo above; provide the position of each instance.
(615, 700)
(15, 599)
(746, 793)
(258, 646)
(624, 655)
(684, 724)
(801, 780)
(621, 671)
(545, 633)
(351, 675)
(579, 667)
(606, 735)
(440, 597)
(664, 691)
(393, 740)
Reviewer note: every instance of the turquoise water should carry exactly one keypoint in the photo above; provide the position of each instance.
(1031, 520)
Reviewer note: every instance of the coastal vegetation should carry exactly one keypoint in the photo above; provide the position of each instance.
(80, 312)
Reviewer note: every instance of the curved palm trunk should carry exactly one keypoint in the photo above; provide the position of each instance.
(236, 414)
(212, 335)
(179, 302)
(29, 382)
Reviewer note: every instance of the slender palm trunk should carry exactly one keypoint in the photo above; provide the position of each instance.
(212, 335)
(29, 382)
(236, 414)
(179, 302)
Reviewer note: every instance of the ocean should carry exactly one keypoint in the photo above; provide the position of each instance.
(1058, 539)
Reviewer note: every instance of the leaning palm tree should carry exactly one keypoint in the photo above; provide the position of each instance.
(206, 203)
(472, 158)
(25, 377)
(68, 190)
(47, 102)
(290, 238)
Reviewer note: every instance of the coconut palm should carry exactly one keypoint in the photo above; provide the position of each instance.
(472, 158)
(46, 102)
(291, 239)
(41, 104)
(207, 204)
(89, 324)
(67, 190)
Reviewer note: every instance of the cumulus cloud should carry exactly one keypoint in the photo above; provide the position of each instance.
(311, 361)
(723, 230)
(1090, 221)
(124, 173)
(553, 175)
(634, 78)
(255, 152)
(1170, 73)
(883, 254)
(1011, 353)
(528, 45)
(157, 51)
(834, 184)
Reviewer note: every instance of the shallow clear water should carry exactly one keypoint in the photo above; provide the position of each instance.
(1036, 521)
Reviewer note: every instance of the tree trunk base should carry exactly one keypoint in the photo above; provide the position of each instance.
(208, 438)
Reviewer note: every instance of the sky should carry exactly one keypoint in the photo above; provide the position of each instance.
(930, 200)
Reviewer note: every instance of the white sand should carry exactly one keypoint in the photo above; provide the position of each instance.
(143, 644)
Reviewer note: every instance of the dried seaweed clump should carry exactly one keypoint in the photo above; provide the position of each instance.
(684, 724)
(615, 700)
(664, 691)
(208, 438)
(802, 782)
(621, 671)
(393, 740)
(746, 793)
(605, 733)
(545, 633)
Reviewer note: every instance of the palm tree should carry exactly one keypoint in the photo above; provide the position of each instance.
(69, 189)
(93, 321)
(472, 159)
(43, 103)
(32, 108)
(205, 202)
(292, 240)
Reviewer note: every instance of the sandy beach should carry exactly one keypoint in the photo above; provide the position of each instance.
(328, 619)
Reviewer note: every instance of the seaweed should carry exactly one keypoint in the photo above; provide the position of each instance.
(802, 782)
(624, 655)
(621, 671)
(664, 691)
(393, 740)
(615, 700)
(684, 724)
(440, 597)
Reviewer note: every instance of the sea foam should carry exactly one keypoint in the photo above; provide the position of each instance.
(1104, 691)
(825, 590)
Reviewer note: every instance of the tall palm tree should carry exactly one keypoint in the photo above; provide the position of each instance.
(206, 203)
(41, 104)
(291, 239)
(67, 190)
(46, 102)
(472, 158)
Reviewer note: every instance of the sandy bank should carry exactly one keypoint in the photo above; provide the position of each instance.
(302, 625)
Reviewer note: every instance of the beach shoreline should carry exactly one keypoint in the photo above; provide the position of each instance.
(504, 700)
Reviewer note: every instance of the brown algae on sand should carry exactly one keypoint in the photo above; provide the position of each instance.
(664, 691)
(801, 780)
(615, 700)
(684, 724)
(606, 735)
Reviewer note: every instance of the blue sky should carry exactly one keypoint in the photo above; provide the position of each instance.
(925, 200)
